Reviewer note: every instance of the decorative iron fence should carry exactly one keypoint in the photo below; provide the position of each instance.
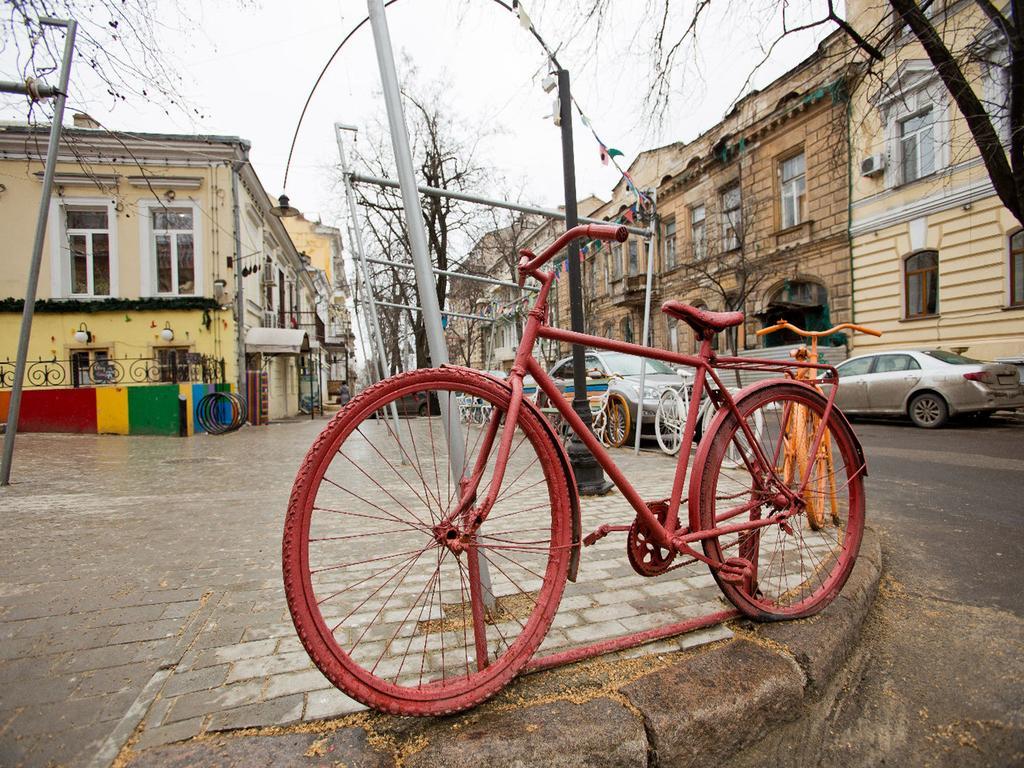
(94, 368)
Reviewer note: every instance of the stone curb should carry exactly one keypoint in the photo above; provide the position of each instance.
(697, 711)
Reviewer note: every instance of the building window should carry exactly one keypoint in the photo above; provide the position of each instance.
(174, 248)
(917, 146)
(634, 261)
(608, 330)
(921, 283)
(698, 234)
(794, 190)
(1017, 269)
(627, 329)
(616, 261)
(173, 363)
(670, 244)
(88, 236)
(732, 218)
(591, 266)
(91, 366)
(607, 273)
(672, 326)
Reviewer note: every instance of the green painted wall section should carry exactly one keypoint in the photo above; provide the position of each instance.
(153, 410)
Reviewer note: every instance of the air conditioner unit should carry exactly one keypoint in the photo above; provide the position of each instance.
(872, 165)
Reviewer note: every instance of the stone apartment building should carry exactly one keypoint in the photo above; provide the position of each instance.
(753, 216)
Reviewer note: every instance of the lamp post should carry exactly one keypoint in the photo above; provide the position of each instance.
(590, 479)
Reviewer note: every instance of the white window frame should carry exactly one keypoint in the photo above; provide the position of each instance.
(902, 137)
(730, 232)
(60, 246)
(699, 253)
(912, 89)
(147, 247)
(794, 189)
(669, 260)
(995, 75)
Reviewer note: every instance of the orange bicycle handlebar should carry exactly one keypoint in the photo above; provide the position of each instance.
(781, 325)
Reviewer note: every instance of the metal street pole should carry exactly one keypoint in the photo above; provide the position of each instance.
(14, 407)
(431, 310)
(645, 342)
(590, 477)
(367, 289)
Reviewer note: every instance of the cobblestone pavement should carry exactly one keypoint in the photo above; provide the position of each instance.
(141, 594)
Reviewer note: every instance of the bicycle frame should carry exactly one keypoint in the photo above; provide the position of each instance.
(705, 362)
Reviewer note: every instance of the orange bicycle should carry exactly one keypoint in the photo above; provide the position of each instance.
(799, 437)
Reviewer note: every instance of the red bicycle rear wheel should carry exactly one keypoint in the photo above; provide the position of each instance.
(387, 608)
(793, 569)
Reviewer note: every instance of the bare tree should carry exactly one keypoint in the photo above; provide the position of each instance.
(124, 44)
(955, 57)
(444, 152)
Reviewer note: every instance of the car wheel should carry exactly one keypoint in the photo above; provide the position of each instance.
(928, 410)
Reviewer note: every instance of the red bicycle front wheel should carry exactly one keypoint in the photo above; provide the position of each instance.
(796, 568)
(388, 609)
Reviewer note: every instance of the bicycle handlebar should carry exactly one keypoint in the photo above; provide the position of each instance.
(782, 324)
(528, 261)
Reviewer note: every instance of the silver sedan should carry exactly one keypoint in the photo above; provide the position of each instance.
(927, 385)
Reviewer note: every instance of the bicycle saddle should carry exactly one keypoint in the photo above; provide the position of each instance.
(705, 323)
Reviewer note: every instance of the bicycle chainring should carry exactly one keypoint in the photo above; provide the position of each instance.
(646, 557)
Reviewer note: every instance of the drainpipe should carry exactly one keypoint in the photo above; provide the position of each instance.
(239, 283)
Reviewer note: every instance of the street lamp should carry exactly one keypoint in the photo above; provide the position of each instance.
(283, 210)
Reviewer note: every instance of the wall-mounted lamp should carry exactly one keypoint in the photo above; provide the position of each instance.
(83, 335)
(167, 334)
(219, 289)
(283, 209)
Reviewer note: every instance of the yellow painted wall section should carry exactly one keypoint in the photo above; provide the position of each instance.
(112, 410)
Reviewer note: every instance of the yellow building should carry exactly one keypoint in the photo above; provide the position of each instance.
(136, 295)
(937, 260)
(322, 245)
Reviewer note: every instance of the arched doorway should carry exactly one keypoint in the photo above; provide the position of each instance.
(802, 303)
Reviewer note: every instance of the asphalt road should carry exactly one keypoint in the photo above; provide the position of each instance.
(951, 504)
(937, 678)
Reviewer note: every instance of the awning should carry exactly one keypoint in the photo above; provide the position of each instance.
(276, 341)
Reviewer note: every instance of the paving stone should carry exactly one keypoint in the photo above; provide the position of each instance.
(168, 734)
(295, 682)
(343, 747)
(268, 665)
(195, 680)
(329, 702)
(282, 711)
(205, 702)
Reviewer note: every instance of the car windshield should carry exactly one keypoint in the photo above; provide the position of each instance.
(951, 357)
(629, 365)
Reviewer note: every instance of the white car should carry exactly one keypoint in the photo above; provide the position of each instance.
(926, 385)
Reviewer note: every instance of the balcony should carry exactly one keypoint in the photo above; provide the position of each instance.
(629, 290)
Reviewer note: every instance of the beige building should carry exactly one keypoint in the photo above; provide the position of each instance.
(753, 213)
(322, 245)
(937, 260)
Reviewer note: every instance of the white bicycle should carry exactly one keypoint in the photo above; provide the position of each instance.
(670, 423)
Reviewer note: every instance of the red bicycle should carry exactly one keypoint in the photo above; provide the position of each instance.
(392, 519)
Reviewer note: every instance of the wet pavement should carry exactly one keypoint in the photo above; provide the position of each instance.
(141, 596)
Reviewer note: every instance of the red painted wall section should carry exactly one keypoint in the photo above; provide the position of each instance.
(58, 410)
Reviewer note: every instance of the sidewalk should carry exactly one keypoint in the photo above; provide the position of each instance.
(141, 598)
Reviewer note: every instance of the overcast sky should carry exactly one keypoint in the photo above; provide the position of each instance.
(249, 69)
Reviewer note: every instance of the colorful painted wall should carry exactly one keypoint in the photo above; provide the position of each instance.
(147, 409)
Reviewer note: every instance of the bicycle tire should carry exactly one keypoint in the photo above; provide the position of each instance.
(819, 561)
(670, 421)
(617, 421)
(423, 663)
